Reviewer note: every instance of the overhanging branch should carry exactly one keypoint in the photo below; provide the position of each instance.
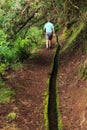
(25, 23)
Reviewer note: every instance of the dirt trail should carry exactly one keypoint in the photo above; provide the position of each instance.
(73, 93)
(30, 85)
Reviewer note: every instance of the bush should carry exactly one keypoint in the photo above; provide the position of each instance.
(8, 55)
(3, 37)
(2, 68)
(34, 35)
(21, 49)
(6, 95)
(25, 46)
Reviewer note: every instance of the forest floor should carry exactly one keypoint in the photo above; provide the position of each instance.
(72, 92)
(30, 85)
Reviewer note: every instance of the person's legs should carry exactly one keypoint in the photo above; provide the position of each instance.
(47, 44)
(50, 43)
(48, 40)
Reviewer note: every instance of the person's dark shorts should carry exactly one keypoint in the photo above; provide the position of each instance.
(49, 36)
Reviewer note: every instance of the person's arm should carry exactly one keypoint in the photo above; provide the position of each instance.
(53, 31)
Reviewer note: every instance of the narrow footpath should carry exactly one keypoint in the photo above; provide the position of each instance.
(30, 85)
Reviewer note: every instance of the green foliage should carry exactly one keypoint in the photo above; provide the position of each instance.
(71, 34)
(21, 48)
(1, 82)
(9, 10)
(34, 35)
(17, 66)
(25, 46)
(76, 32)
(12, 52)
(3, 37)
(6, 95)
(59, 121)
(57, 27)
(2, 68)
(11, 116)
(6, 53)
(85, 48)
(59, 114)
(45, 109)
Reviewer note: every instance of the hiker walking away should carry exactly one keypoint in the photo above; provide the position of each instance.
(49, 30)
